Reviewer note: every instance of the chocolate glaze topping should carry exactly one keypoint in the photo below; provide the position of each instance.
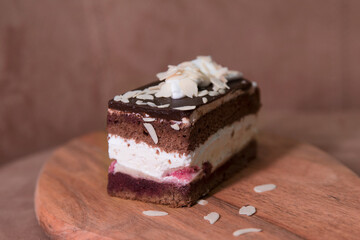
(170, 113)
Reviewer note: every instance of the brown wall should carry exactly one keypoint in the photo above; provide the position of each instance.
(60, 61)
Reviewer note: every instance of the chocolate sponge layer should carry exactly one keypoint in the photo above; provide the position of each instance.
(130, 126)
(124, 186)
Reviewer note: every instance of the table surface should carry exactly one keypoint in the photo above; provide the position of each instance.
(334, 132)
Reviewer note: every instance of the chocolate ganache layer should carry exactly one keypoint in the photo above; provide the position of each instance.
(130, 125)
(170, 113)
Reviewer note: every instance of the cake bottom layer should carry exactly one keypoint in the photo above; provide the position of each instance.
(124, 186)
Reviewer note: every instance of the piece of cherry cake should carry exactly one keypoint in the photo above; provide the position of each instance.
(173, 140)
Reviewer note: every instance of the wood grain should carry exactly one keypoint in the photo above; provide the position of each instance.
(316, 198)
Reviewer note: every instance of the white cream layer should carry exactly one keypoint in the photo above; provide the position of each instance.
(142, 160)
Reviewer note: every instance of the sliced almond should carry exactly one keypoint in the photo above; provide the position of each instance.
(163, 106)
(247, 210)
(184, 108)
(145, 97)
(233, 75)
(217, 82)
(151, 104)
(139, 102)
(204, 99)
(245, 230)
(165, 91)
(203, 93)
(188, 87)
(202, 202)
(152, 132)
(212, 217)
(152, 213)
(117, 98)
(124, 100)
(264, 188)
(221, 91)
(131, 94)
(151, 92)
(149, 119)
(156, 87)
(175, 126)
(213, 93)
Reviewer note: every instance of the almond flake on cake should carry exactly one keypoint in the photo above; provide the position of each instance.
(149, 119)
(175, 126)
(185, 108)
(145, 97)
(152, 132)
(163, 106)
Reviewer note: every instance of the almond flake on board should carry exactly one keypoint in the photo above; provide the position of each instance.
(247, 210)
(152, 213)
(149, 119)
(152, 132)
(202, 202)
(212, 217)
(184, 108)
(175, 126)
(204, 99)
(245, 230)
(264, 188)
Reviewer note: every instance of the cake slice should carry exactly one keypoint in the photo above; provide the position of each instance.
(172, 141)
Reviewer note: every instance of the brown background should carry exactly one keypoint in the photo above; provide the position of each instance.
(60, 61)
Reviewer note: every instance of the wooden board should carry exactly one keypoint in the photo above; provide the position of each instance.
(316, 198)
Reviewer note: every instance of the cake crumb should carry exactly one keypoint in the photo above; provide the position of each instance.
(169, 161)
(157, 151)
